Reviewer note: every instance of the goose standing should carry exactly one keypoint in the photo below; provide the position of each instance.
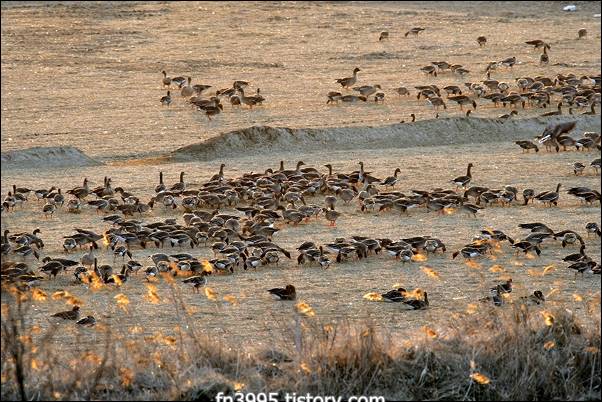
(462, 181)
(166, 100)
(179, 186)
(166, 79)
(348, 81)
(391, 180)
(544, 58)
(187, 90)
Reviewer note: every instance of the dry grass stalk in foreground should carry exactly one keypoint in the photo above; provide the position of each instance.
(493, 354)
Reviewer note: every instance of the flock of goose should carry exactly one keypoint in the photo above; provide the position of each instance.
(210, 106)
(540, 91)
(263, 204)
(534, 92)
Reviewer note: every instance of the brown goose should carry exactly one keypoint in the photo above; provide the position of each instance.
(538, 43)
(383, 35)
(212, 110)
(462, 181)
(348, 81)
(72, 314)
(582, 33)
(287, 293)
(166, 79)
(414, 31)
(549, 197)
(544, 58)
(436, 103)
(80, 192)
(180, 186)
(527, 145)
(187, 90)
(166, 100)
(463, 100)
(481, 40)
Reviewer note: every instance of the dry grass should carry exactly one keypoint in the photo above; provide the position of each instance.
(515, 352)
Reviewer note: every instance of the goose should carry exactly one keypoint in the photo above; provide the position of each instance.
(187, 90)
(452, 90)
(462, 181)
(429, 70)
(180, 186)
(583, 267)
(240, 84)
(88, 321)
(42, 193)
(537, 44)
(348, 81)
(509, 62)
(151, 272)
(536, 227)
(582, 33)
(367, 90)
(544, 58)
(166, 100)
(80, 192)
(166, 79)
(391, 180)
(121, 251)
(402, 91)
(549, 197)
(383, 35)
(72, 314)
(287, 293)
(179, 81)
(481, 40)
(463, 100)
(379, 97)
(197, 281)
(470, 208)
(160, 187)
(461, 71)
(525, 247)
(247, 100)
(331, 215)
(51, 268)
(436, 102)
(414, 31)
(212, 110)
(353, 98)
(324, 261)
(578, 168)
(592, 227)
(69, 244)
(395, 295)
(49, 208)
(199, 89)
(527, 145)
(568, 237)
(333, 97)
(417, 304)
(577, 257)
(469, 252)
